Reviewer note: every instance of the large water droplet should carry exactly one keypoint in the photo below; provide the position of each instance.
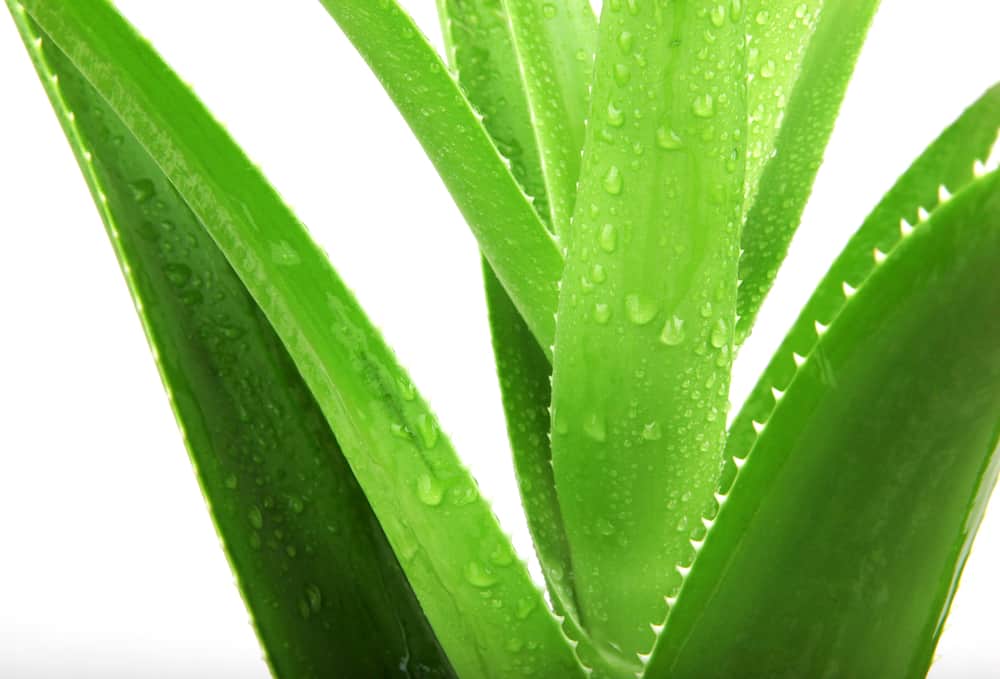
(429, 490)
(673, 332)
(668, 139)
(640, 309)
(613, 181)
(626, 41)
(616, 117)
(314, 596)
(428, 430)
(718, 15)
(622, 74)
(479, 575)
(608, 238)
(720, 334)
(704, 106)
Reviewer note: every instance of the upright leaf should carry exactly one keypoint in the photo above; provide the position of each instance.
(326, 592)
(647, 307)
(480, 45)
(797, 88)
(554, 48)
(510, 234)
(472, 588)
(887, 431)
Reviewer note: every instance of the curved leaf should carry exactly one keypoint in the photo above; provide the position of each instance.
(888, 434)
(796, 89)
(554, 49)
(325, 590)
(647, 308)
(510, 234)
(477, 595)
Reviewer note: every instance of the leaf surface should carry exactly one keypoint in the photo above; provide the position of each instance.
(487, 614)
(647, 308)
(802, 55)
(847, 519)
(322, 584)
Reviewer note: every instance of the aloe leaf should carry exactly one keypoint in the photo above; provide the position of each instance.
(481, 49)
(554, 48)
(477, 595)
(644, 330)
(298, 531)
(887, 432)
(797, 87)
(511, 237)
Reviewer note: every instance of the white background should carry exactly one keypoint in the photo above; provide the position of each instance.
(109, 565)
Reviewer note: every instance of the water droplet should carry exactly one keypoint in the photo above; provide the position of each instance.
(622, 74)
(673, 332)
(703, 106)
(598, 273)
(296, 505)
(605, 527)
(595, 427)
(479, 575)
(762, 18)
(640, 309)
(718, 15)
(178, 274)
(428, 430)
(256, 518)
(142, 190)
(667, 139)
(768, 69)
(231, 481)
(400, 431)
(706, 310)
(720, 334)
(524, 607)
(616, 118)
(652, 432)
(613, 181)
(406, 389)
(602, 313)
(429, 490)
(283, 253)
(608, 238)
(314, 596)
(626, 41)
(549, 10)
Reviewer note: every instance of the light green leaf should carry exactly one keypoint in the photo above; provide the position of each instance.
(800, 65)
(839, 545)
(554, 49)
(510, 234)
(325, 590)
(473, 589)
(644, 330)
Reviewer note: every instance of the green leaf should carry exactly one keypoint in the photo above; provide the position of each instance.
(323, 586)
(554, 48)
(802, 55)
(471, 586)
(511, 237)
(647, 307)
(839, 546)
(477, 35)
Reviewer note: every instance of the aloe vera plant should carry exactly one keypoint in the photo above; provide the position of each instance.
(633, 181)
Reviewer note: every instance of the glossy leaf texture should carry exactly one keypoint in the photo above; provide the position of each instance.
(485, 611)
(511, 237)
(481, 49)
(326, 592)
(554, 46)
(802, 55)
(644, 329)
(838, 548)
